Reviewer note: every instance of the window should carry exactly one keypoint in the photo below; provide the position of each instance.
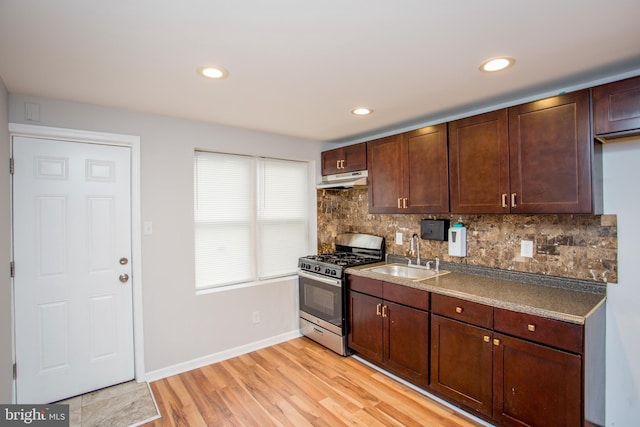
(251, 218)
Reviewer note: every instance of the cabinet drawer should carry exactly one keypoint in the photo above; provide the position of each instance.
(567, 336)
(465, 311)
(405, 295)
(365, 285)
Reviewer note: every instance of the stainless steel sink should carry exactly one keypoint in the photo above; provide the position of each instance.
(414, 273)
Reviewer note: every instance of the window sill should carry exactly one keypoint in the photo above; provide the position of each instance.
(229, 288)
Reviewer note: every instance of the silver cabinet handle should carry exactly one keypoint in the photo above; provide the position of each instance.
(124, 278)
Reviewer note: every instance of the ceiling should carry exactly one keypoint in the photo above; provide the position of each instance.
(298, 67)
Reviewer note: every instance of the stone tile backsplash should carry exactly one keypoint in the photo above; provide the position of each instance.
(575, 246)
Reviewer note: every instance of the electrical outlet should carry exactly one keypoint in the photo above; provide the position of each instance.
(255, 317)
(526, 248)
(398, 238)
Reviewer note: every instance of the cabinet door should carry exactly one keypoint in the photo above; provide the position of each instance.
(385, 178)
(426, 170)
(550, 150)
(365, 326)
(406, 342)
(331, 161)
(479, 163)
(616, 108)
(461, 363)
(355, 157)
(535, 385)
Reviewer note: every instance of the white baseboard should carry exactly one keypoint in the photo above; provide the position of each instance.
(218, 357)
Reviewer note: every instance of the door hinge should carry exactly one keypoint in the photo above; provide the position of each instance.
(12, 269)
(15, 371)
(11, 165)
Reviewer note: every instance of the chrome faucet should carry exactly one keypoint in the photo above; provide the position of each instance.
(415, 245)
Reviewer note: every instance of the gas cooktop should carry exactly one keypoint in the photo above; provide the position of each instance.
(343, 259)
(351, 249)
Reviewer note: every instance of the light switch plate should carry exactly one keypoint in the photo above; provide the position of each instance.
(398, 238)
(147, 228)
(526, 248)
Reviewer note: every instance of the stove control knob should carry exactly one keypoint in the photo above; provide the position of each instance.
(334, 273)
(327, 271)
(317, 268)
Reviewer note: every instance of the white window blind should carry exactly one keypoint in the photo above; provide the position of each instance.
(283, 218)
(251, 218)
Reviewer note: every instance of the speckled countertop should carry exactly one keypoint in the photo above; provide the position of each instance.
(572, 306)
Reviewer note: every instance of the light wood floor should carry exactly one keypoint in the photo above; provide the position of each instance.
(296, 383)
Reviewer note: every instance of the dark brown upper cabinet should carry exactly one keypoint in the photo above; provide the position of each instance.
(408, 173)
(351, 158)
(616, 109)
(551, 152)
(479, 163)
(537, 157)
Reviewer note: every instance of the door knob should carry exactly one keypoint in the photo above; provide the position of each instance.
(124, 261)
(124, 278)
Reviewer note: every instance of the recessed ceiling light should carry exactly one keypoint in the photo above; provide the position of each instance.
(213, 72)
(361, 111)
(497, 64)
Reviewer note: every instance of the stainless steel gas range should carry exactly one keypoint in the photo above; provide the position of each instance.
(323, 289)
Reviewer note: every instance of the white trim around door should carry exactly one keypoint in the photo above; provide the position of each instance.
(133, 142)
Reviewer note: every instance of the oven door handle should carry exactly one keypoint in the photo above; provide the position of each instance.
(318, 278)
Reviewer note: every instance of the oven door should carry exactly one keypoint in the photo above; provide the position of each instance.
(321, 297)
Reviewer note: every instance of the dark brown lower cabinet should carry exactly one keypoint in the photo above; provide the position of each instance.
(461, 363)
(512, 368)
(406, 343)
(517, 369)
(394, 336)
(510, 380)
(535, 385)
(365, 326)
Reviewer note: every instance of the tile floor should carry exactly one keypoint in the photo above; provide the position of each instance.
(126, 404)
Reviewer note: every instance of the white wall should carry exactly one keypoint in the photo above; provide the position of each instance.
(621, 177)
(6, 352)
(180, 326)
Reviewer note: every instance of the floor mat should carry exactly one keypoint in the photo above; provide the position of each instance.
(122, 405)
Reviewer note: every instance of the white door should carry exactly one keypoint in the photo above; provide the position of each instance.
(72, 254)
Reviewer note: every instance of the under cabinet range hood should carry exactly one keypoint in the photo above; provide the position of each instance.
(344, 180)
